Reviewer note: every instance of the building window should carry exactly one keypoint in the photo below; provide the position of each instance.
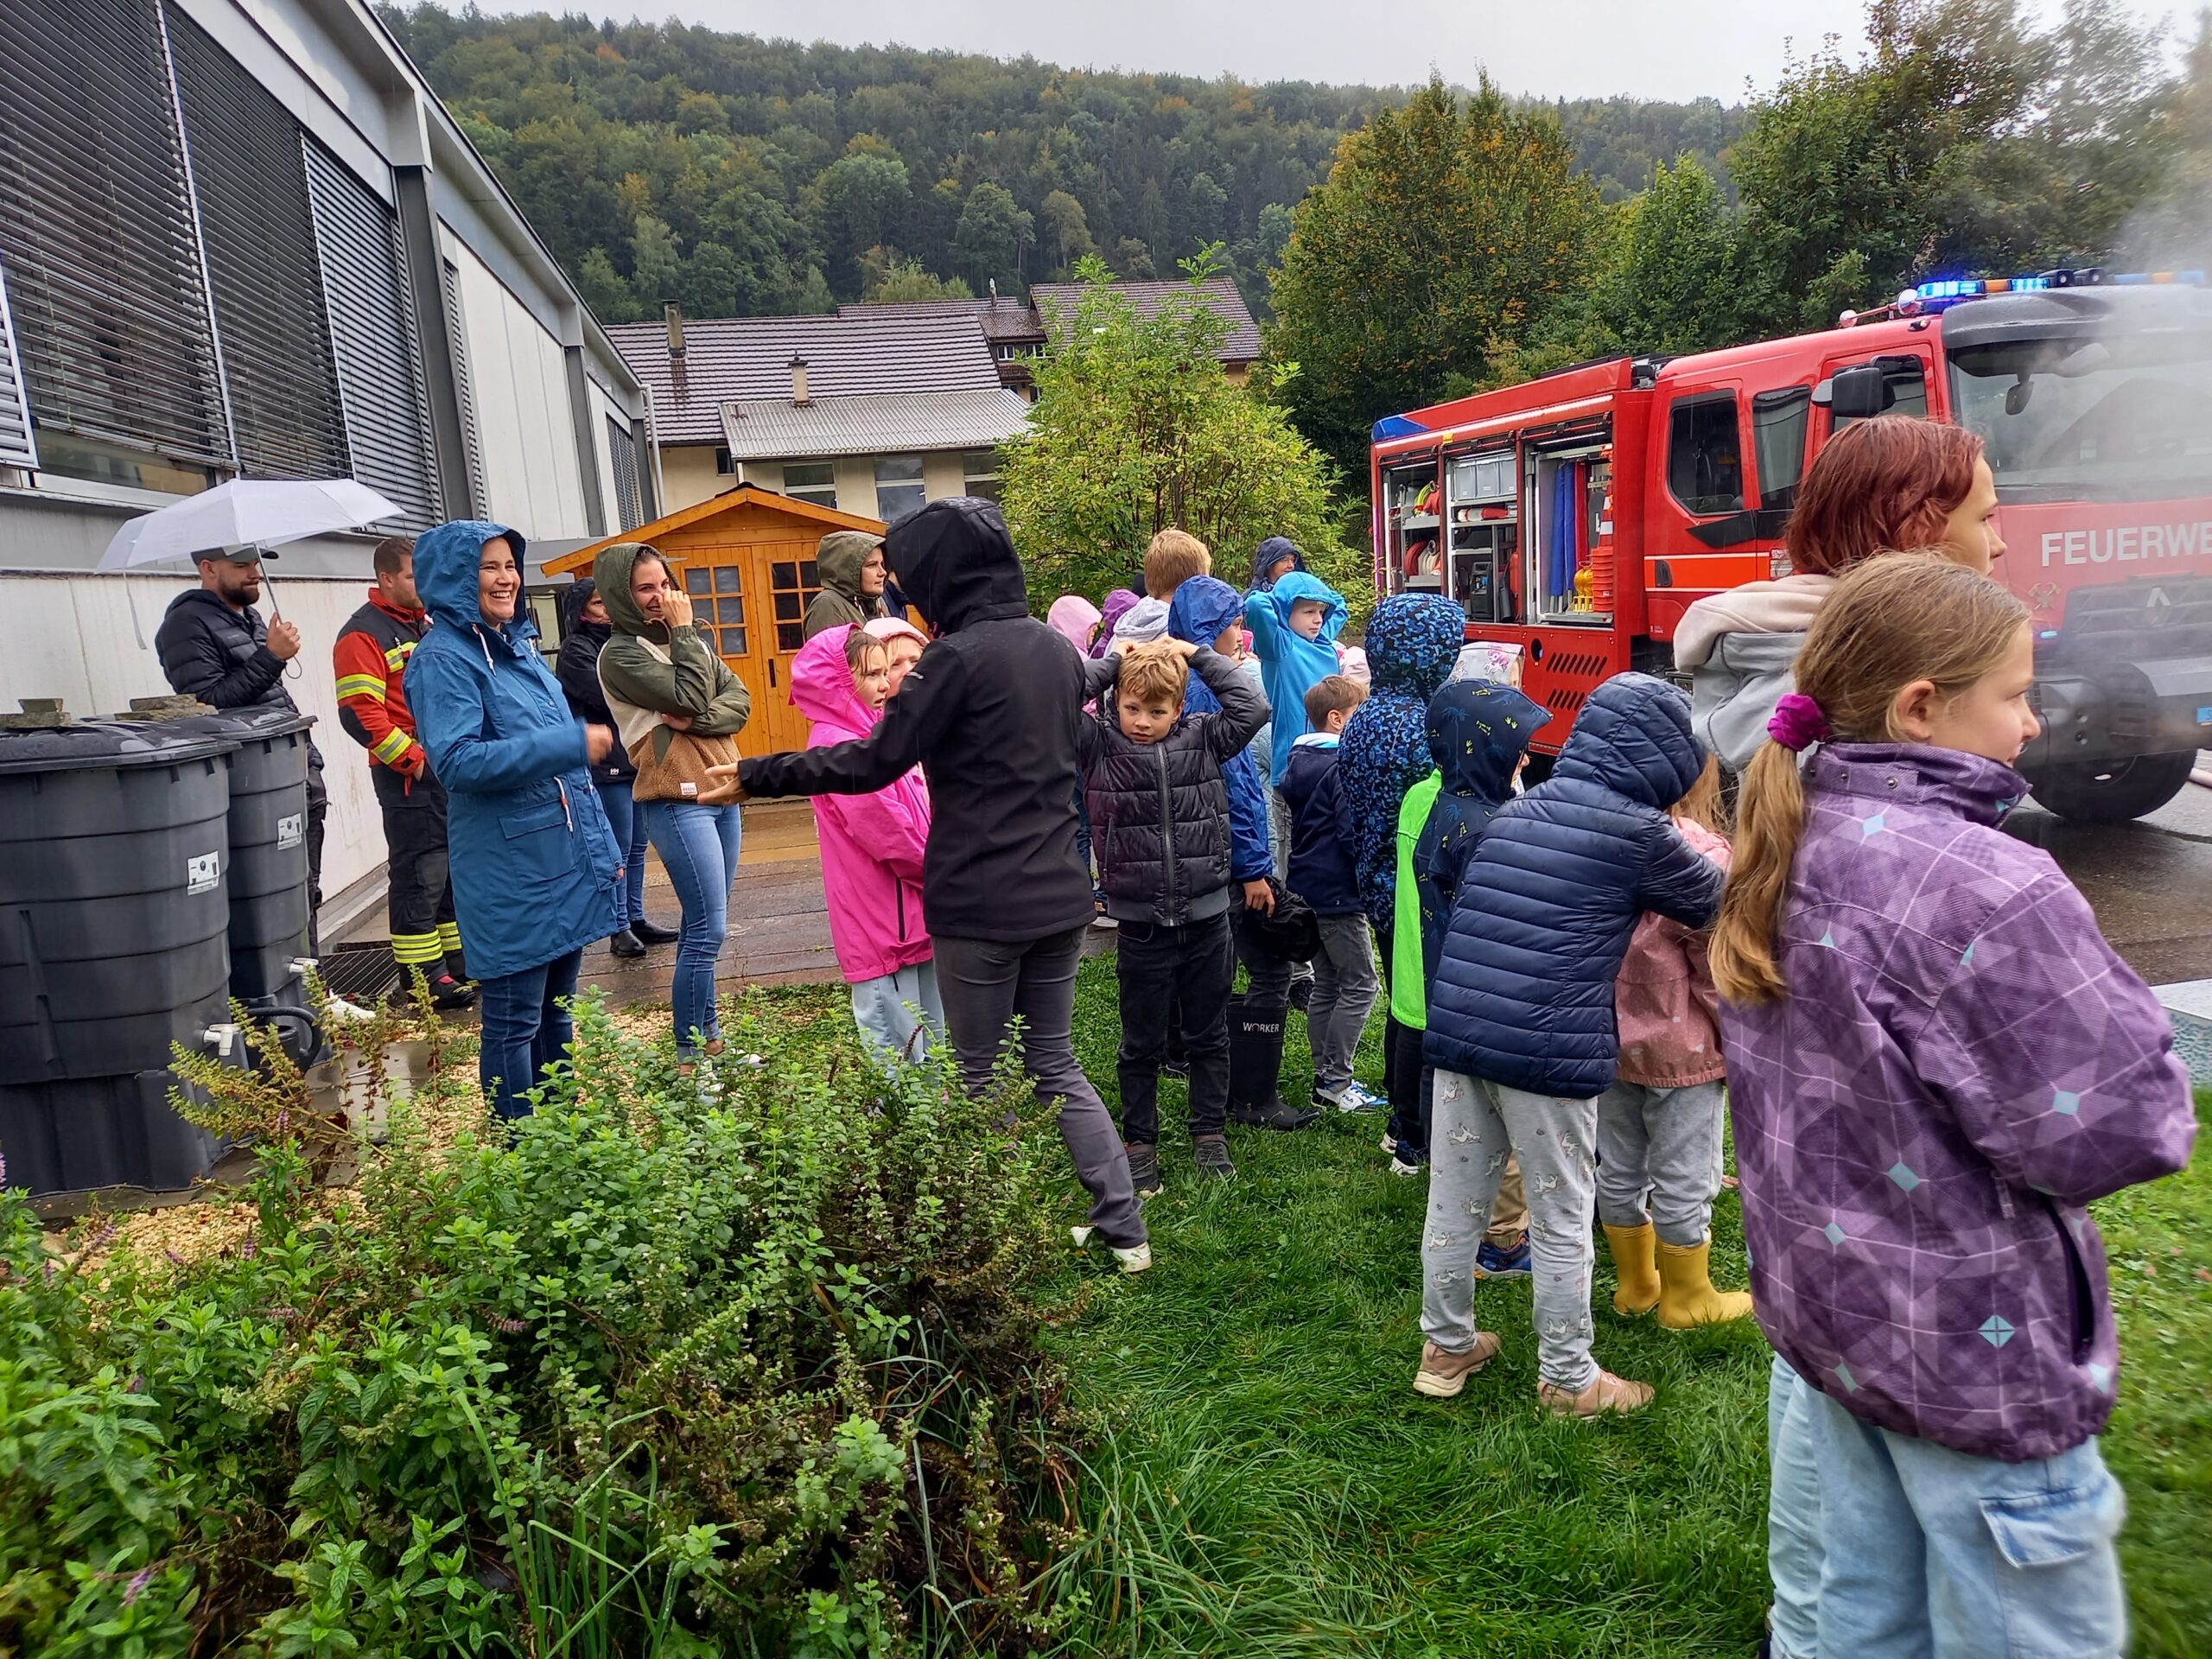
(792, 584)
(898, 487)
(979, 473)
(718, 605)
(812, 481)
(724, 467)
(622, 449)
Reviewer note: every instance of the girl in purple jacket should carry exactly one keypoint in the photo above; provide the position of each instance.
(1936, 1063)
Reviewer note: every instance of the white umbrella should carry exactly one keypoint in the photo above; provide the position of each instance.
(262, 511)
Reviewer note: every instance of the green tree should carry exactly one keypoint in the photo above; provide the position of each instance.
(656, 262)
(890, 277)
(1967, 140)
(854, 207)
(1137, 428)
(1445, 232)
(993, 231)
(1674, 286)
(1069, 227)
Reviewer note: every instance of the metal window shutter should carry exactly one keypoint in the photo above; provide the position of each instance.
(373, 337)
(110, 318)
(622, 446)
(251, 183)
(17, 447)
(464, 393)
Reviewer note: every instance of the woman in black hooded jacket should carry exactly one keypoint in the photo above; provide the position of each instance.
(990, 713)
(584, 629)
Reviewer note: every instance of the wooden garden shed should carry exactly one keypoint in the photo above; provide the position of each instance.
(746, 558)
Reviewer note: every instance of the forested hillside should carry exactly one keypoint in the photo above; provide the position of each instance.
(744, 175)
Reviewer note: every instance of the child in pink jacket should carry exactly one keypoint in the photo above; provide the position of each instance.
(1659, 1125)
(871, 851)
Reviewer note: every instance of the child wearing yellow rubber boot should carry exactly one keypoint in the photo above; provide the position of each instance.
(1659, 1125)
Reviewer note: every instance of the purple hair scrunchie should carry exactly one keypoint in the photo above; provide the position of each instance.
(1797, 722)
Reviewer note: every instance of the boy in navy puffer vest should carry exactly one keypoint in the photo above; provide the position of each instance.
(1520, 1013)
(1159, 823)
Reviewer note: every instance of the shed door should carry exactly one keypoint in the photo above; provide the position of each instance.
(791, 585)
(723, 608)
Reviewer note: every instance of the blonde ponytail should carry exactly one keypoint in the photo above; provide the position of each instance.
(1769, 817)
(1895, 619)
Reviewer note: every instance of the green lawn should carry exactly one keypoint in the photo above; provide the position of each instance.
(1266, 1481)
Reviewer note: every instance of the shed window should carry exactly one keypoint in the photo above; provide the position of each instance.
(718, 604)
(1704, 456)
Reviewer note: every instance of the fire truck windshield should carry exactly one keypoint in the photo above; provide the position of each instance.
(2122, 415)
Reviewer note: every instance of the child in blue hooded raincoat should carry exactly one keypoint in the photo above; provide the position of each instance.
(1291, 661)
(534, 862)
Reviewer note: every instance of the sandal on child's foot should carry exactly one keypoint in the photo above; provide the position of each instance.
(1443, 1373)
(1606, 1393)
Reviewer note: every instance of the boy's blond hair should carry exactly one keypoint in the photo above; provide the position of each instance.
(1173, 558)
(1154, 672)
(1329, 694)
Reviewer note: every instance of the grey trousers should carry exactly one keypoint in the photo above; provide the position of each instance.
(1476, 1124)
(986, 984)
(1660, 1148)
(1345, 987)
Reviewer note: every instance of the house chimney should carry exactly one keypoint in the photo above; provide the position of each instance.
(995, 293)
(798, 381)
(672, 313)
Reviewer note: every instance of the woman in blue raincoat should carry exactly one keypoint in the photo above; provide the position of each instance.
(534, 861)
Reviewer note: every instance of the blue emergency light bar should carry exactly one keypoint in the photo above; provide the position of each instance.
(1950, 290)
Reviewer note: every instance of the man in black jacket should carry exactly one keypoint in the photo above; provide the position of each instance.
(990, 713)
(213, 647)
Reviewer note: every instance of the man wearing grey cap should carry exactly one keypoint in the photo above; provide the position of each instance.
(213, 646)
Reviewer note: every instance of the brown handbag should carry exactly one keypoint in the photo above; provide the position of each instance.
(672, 764)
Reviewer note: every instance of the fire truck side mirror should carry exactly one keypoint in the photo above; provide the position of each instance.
(1856, 393)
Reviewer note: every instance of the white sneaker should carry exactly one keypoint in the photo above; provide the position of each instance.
(1389, 1141)
(1352, 1097)
(1398, 1168)
(1101, 919)
(1134, 1259)
(342, 1009)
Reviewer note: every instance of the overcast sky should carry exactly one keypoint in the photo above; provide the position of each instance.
(1652, 48)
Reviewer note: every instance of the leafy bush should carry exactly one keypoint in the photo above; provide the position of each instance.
(743, 1364)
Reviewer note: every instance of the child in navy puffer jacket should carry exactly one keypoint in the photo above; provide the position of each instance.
(1521, 1009)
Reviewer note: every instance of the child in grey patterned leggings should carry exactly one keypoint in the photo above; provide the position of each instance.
(1659, 1125)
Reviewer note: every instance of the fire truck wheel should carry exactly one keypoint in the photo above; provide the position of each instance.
(2113, 792)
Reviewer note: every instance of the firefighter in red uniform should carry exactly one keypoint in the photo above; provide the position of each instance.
(370, 659)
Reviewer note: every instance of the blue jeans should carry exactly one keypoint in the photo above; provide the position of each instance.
(698, 848)
(629, 826)
(1793, 1513)
(525, 1030)
(1940, 1555)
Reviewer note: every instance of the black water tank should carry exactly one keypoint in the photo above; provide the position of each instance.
(114, 918)
(268, 868)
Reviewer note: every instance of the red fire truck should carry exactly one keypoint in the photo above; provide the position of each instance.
(1576, 516)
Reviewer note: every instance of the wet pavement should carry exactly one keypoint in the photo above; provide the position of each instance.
(2149, 881)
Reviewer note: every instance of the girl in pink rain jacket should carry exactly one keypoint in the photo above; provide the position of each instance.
(871, 852)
